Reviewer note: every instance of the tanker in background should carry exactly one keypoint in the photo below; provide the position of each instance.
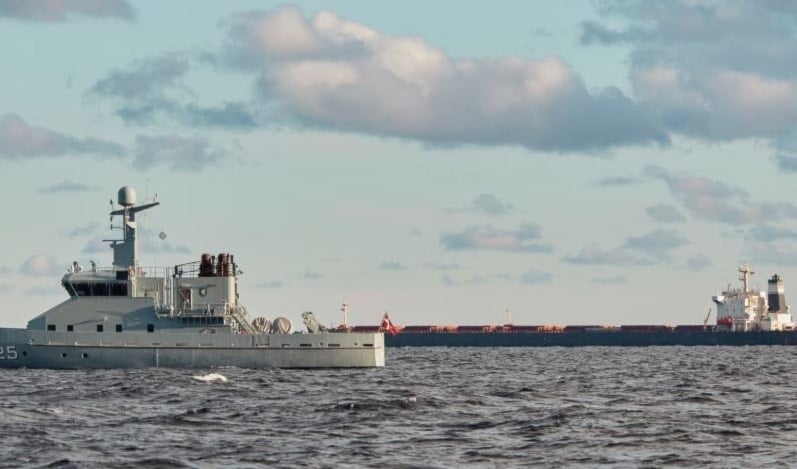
(744, 317)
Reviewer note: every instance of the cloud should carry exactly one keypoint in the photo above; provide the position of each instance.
(481, 279)
(442, 266)
(771, 245)
(716, 201)
(712, 69)
(656, 243)
(617, 181)
(153, 88)
(175, 152)
(4, 289)
(65, 186)
(770, 233)
(269, 285)
(329, 72)
(41, 265)
(62, 10)
(614, 280)
(391, 265)
(595, 255)
(96, 246)
(786, 163)
(485, 237)
(491, 205)
(647, 249)
(664, 213)
(158, 246)
(85, 230)
(487, 204)
(310, 275)
(699, 262)
(781, 254)
(19, 140)
(536, 277)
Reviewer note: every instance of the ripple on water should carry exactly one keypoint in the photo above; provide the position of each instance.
(434, 407)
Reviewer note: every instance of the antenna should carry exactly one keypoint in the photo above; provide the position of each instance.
(508, 316)
(744, 275)
(344, 308)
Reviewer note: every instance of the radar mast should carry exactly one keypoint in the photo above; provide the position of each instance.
(125, 250)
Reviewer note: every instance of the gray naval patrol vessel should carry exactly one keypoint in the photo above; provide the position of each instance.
(130, 316)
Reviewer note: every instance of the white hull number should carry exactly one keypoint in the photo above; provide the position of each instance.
(8, 353)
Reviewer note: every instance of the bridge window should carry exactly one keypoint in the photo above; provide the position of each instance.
(119, 289)
(99, 327)
(70, 327)
(99, 289)
(82, 289)
(96, 288)
(150, 327)
(118, 328)
(50, 327)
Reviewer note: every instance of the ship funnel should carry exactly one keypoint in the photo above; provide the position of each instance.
(776, 295)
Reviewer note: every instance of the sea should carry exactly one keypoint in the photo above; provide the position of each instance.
(429, 407)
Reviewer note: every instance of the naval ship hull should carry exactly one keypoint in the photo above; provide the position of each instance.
(70, 350)
(589, 338)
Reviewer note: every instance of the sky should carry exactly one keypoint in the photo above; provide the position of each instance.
(539, 162)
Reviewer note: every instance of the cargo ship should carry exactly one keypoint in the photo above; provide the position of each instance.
(743, 317)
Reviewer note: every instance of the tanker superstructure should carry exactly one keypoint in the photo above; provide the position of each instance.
(188, 315)
(742, 309)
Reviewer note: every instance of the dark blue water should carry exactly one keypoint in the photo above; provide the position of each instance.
(434, 407)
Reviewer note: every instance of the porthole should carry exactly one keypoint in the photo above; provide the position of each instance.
(63, 354)
(85, 355)
(24, 354)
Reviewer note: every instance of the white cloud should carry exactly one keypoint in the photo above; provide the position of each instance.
(699, 262)
(175, 152)
(41, 265)
(65, 186)
(536, 277)
(61, 10)
(612, 280)
(487, 204)
(330, 72)
(486, 237)
(19, 140)
(713, 69)
(717, 201)
(650, 248)
(664, 213)
(391, 265)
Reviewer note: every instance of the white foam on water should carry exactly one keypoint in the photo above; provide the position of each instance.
(211, 377)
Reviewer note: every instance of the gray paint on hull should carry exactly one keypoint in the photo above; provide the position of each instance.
(44, 349)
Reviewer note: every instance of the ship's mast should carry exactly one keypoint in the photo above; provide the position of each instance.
(744, 275)
(344, 308)
(125, 251)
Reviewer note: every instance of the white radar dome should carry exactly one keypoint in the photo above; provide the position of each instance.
(127, 196)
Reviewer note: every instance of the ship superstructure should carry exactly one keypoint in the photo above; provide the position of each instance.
(188, 315)
(743, 309)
